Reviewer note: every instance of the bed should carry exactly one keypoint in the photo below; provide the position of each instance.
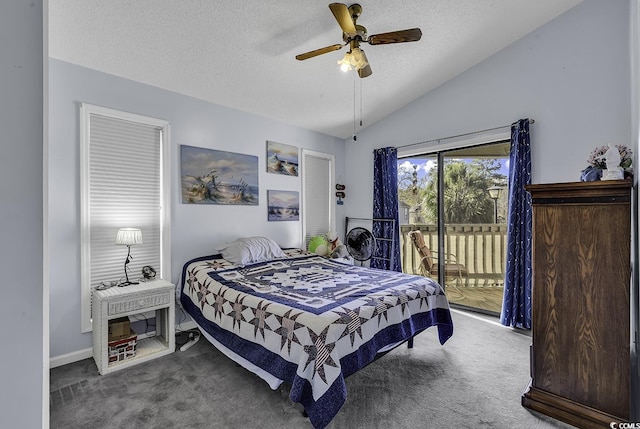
(295, 317)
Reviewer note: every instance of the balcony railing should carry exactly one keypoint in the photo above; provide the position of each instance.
(481, 248)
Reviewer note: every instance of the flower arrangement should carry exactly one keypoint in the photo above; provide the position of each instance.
(597, 159)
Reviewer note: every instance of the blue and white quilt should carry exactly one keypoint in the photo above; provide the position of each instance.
(311, 321)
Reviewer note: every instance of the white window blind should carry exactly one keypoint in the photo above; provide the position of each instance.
(123, 185)
(317, 195)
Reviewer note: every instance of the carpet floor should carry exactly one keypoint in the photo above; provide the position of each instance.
(474, 381)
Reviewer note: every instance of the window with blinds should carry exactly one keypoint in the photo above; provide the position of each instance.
(317, 194)
(124, 184)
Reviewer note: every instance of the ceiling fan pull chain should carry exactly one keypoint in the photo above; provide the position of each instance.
(360, 103)
(354, 108)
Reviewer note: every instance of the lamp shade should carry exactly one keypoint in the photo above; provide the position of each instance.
(358, 59)
(345, 62)
(129, 236)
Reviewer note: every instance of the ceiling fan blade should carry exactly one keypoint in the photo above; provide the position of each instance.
(341, 13)
(317, 52)
(365, 71)
(411, 35)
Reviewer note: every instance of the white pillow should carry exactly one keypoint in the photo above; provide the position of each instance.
(251, 249)
(235, 253)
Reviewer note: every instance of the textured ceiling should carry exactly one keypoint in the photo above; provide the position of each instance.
(240, 54)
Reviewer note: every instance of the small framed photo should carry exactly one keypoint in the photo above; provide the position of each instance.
(283, 205)
(282, 159)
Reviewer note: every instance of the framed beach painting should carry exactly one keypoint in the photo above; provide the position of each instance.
(282, 159)
(212, 176)
(283, 205)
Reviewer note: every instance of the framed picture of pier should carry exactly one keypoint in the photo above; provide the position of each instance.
(283, 205)
(210, 176)
(282, 159)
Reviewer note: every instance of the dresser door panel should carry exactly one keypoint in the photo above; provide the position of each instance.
(581, 303)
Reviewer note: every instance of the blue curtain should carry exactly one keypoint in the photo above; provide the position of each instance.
(385, 206)
(516, 303)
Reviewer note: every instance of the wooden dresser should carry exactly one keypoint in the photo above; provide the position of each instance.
(580, 352)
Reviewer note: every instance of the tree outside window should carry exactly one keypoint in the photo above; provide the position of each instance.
(466, 199)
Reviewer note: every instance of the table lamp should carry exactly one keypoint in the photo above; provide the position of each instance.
(128, 237)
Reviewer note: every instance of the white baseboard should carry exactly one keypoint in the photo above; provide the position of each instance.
(76, 356)
(65, 359)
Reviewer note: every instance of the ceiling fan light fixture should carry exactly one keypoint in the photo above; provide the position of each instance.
(355, 59)
(345, 62)
(358, 59)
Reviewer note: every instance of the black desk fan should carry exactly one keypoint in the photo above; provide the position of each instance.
(361, 244)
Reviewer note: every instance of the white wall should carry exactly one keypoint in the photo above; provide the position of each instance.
(196, 229)
(572, 76)
(24, 372)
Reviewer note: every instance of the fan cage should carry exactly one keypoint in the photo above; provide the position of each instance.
(356, 239)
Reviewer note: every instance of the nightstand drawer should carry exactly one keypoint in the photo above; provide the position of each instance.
(138, 303)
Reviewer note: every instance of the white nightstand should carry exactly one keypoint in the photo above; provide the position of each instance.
(116, 302)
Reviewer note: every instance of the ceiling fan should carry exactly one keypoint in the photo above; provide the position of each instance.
(353, 34)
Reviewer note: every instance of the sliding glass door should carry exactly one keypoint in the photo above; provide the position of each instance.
(457, 200)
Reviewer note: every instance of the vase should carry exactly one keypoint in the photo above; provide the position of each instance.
(591, 174)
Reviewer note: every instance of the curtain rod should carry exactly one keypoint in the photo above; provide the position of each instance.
(531, 121)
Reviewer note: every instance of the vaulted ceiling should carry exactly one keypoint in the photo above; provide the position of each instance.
(242, 54)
